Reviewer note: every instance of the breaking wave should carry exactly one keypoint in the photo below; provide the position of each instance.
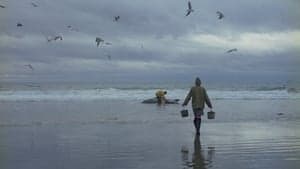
(139, 94)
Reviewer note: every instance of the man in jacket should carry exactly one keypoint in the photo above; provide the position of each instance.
(199, 98)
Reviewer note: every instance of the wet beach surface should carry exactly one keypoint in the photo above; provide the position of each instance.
(99, 135)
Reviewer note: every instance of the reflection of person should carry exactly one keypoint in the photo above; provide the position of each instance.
(198, 158)
(199, 98)
(160, 95)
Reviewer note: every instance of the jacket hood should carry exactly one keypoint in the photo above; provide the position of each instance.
(198, 81)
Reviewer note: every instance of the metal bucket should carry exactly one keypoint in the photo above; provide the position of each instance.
(184, 113)
(211, 115)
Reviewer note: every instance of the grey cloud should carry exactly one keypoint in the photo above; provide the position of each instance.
(159, 26)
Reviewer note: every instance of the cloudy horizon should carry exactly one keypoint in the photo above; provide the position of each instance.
(152, 39)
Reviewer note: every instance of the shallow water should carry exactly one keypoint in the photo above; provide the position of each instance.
(221, 145)
(127, 134)
(28, 113)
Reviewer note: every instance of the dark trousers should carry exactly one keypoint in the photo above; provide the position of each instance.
(198, 112)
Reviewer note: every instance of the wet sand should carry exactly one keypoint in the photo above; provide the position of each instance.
(65, 140)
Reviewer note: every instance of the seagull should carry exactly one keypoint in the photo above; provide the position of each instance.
(30, 66)
(2, 6)
(50, 38)
(72, 29)
(220, 15)
(232, 50)
(34, 5)
(189, 10)
(98, 41)
(19, 24)
(58, 37)
(117, 18)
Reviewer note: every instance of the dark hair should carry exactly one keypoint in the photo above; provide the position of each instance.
(165, 92)
(198, 81)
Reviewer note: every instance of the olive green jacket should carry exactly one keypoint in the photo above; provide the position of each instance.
(199, 98)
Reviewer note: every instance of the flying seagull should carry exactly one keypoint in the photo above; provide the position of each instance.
(19, 24)
(98, 41)
(116, 18)
(34, 5)
(220, 15)
(2, 6)
(232, 50)
(280, 114)
(189, 10)
(58, 37)
(72, 29)
(30, 66)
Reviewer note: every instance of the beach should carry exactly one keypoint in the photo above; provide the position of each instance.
(78, 84)
(127, 134)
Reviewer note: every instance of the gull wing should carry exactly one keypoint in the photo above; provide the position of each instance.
(190, 5)
(29, 66)
(34, 5)
(188, 12)
(232, 50)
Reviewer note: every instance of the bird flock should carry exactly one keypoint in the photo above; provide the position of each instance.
(220, 16)
(99, 41)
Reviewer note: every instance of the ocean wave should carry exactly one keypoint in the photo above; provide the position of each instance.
(270, 88)
(138, 94)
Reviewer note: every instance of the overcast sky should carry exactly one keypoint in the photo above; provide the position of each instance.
(152, 39)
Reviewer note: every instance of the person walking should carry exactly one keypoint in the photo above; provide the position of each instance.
(199, 98)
